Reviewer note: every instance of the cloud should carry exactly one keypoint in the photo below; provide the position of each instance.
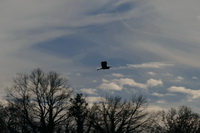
(161, 101)
(177, 43)
(117, 75)
(94, 99)
(168, 74)
(152, 73)
(157, 94)
(130, 82)
(194, 77)
(178, 79)
(180, 89)
(154, 82)
(150, 65)
(161, 95)
(110, 86)
(121, 83)
(146, 65)
(155, 108)
(89, 91)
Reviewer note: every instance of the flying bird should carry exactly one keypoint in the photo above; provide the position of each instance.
(104, 65)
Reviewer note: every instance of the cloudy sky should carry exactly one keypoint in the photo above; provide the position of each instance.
(153, 46)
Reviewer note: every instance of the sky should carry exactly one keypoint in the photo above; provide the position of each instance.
(152, 45)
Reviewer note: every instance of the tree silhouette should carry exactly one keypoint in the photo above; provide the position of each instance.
(116, 116)
(181, 120)
(42, 100)
(79, 112)
(3, 116)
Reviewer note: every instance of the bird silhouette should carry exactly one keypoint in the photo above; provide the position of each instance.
(104, 65)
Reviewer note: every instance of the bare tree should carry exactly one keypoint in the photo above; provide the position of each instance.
(181, 120)
(116, 116)
(42, 99)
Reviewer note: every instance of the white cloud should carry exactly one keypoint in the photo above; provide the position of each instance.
(194, 77)
(146, 65)
(94, 81)
(157, 94)
(180, 89)
(118, 84)
(154, 82)
(178, 79)
(155, 108)
(89, 91)
(119, 75)
(110, 86)
(130, 82)
(94, 99)
(121, 83)
(105, 81)
(161, 95)
(161, 101)
(168, 74)
(152, 73)
(150, 65)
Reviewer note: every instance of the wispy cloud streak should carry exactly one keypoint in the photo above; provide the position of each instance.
(152, 65)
